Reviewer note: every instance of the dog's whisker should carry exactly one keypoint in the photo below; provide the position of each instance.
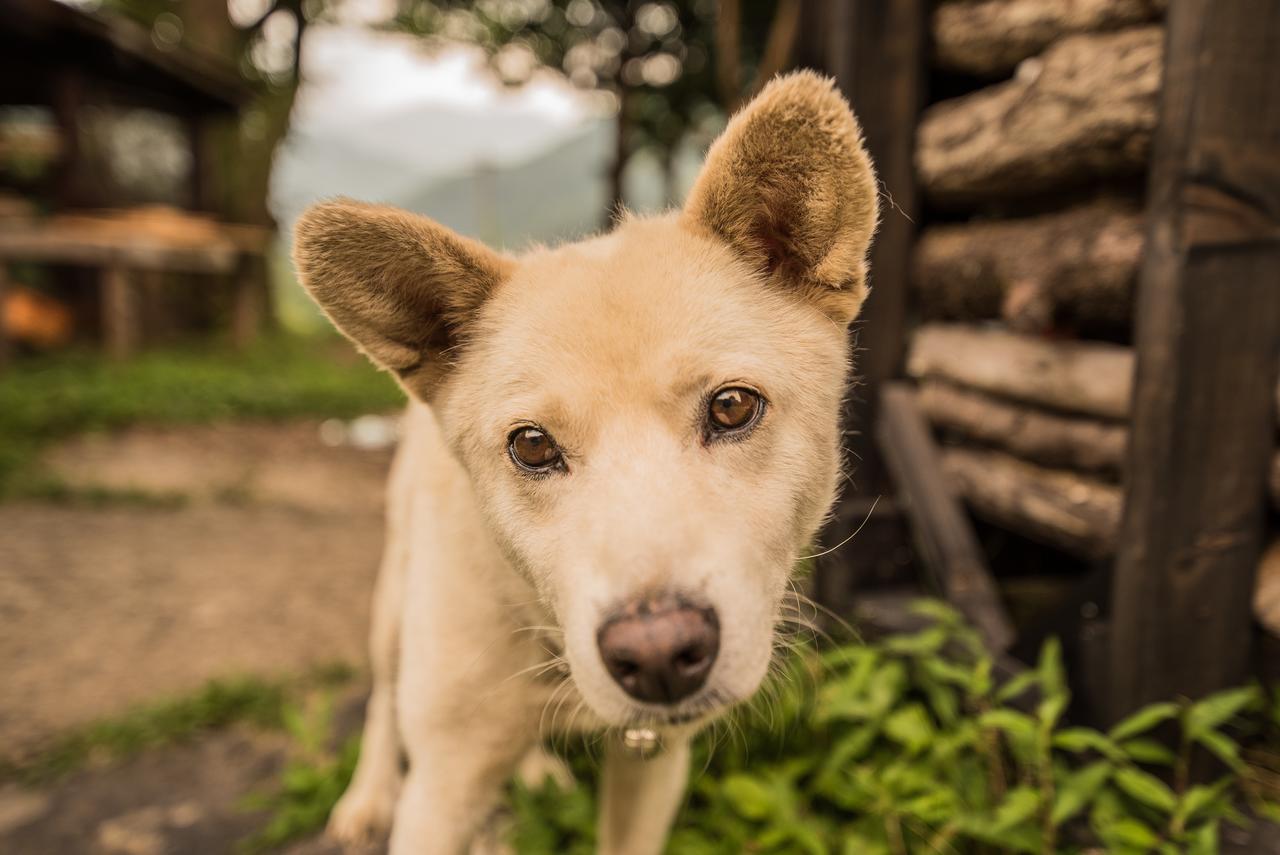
(855, 533)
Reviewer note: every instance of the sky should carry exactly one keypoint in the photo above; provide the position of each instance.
(380, 118)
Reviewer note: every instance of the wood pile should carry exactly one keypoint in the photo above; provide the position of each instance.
(1025, 270)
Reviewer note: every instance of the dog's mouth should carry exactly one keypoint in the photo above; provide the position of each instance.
(700, 709)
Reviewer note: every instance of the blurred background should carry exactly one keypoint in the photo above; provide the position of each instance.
(1064, 424)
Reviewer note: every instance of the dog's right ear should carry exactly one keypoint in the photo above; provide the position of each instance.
(402, 287)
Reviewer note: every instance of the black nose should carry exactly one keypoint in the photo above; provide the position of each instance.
(660, 650)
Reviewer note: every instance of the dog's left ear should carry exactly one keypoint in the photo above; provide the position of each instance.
(790, 188)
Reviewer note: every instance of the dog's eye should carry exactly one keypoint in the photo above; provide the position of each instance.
(733, 409)
(533, 449)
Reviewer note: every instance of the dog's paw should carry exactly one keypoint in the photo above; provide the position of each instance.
(540, 764)
(361, 815)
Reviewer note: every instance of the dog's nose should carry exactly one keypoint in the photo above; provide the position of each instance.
(660, 650)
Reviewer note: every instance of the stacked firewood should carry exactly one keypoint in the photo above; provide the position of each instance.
(1024, 275)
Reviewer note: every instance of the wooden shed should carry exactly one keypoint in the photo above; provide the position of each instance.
(69, 61)
(1074, 333)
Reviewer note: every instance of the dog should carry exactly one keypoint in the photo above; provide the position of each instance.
(614, 454)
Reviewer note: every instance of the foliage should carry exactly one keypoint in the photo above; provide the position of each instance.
(911, 745)
(664, 61)
(42, 400)
(264, 703)
(312, 780)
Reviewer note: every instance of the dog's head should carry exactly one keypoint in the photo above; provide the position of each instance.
(650, 418)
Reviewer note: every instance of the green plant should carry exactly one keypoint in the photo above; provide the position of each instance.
(42, 400)
(910, 745)
(218, 704)
(312, 781)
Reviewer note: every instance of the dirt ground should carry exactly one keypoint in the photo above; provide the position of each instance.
(265, 569)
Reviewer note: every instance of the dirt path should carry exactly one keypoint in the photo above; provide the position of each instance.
(266, 569)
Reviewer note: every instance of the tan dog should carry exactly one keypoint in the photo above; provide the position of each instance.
(616, 452)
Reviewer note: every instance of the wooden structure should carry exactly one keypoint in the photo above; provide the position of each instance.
(1079, 267)
(65, 59)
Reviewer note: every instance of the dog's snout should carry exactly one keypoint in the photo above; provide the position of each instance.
(660, 651)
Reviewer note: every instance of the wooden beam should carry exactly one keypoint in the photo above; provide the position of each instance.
(119, 312)
(944, 537)
(1208, 344)
(876, 51)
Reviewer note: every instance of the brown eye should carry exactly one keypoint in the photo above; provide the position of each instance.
(533, 449)
(733, 409)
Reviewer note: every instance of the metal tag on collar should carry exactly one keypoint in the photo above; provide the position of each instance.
(642, 742)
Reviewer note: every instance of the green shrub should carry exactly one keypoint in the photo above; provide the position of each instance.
(904, 745)
(909, 745)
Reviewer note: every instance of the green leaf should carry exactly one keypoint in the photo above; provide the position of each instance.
(1132, 833)
(1204, 839)
(1077, 790)
(1019, 805)
(749, 796)
(1198, 798)
(1218, 709)
(1080, 739)
(1148, 751)
(937, 610)
(1052, 680)
(1146, 788)
(920, 643)
(1017, 685)
(1016, 724)
(1050, 710)
(1143, 720)
(910, 727)
(1223, 748)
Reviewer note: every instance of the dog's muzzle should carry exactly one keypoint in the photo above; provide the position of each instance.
(660, 650)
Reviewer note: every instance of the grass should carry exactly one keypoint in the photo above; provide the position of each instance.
(261, 702)
(42, 400)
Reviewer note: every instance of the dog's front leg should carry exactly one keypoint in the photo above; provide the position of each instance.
(639, 798)
(454, 783)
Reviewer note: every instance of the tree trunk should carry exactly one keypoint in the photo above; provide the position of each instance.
(1029, 433)
(1274, 481)
(1069, 270)
(990, 37)
(1084, 110)
(1064, 509)
(1087, 378)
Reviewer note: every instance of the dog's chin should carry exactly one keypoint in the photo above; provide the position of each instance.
(692, 714)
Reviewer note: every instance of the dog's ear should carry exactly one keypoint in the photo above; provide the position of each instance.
(790, 188)
(402, 287)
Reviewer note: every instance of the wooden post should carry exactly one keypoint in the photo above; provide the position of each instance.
(876, 51)
(1208, 341)
(944, 537)
(250, 302)
(119, 312)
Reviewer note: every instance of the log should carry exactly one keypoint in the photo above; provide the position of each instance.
(1031, 434)
(943, 534)
(989, 37)
(1084, 110)
(1073, 269)
(1066, 510)
(1266, 591)
(1087, 378)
